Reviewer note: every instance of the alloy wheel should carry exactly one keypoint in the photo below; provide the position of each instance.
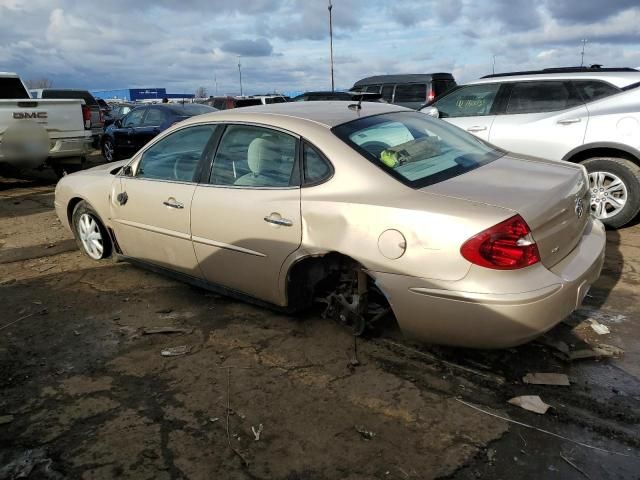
(90, 236)
(608, 194)
(107, 150)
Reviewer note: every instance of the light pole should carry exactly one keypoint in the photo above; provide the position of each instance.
(584, 42)
(493, 68)
(331, 44)
(240, 73)
(215, 81)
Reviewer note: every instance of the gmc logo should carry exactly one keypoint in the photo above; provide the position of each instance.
(25, 115)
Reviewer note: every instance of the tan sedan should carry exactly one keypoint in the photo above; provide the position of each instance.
(368, 209)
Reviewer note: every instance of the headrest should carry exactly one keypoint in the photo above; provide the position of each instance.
(261, 152)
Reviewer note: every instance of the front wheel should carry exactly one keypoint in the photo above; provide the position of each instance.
(614, 185)
(90, 233)
(108, 150)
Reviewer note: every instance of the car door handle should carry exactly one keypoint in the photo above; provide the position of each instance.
(476, 129)
(569, 121)
(277, 220)
(173, 204)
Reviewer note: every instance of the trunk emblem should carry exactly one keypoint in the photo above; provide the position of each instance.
(579, 208)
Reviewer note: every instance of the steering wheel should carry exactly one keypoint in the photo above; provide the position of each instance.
(375, 148)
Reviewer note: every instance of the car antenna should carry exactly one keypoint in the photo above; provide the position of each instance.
(357, 106)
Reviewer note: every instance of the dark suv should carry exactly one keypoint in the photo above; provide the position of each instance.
(410, 90)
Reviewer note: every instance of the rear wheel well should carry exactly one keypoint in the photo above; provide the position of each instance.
(603, 152)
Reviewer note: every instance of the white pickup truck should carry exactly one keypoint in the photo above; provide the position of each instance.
(36, 132)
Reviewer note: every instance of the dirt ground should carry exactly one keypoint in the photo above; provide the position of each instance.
(87, 394)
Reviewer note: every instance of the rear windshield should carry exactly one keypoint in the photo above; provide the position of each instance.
(12, 87)
(193, 109)
(416, 149)
(77, 94)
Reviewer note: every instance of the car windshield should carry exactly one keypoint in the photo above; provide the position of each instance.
(416, 149)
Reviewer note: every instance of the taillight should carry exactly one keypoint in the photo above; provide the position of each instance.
(505, 246)
(86, 116)
(431, 95)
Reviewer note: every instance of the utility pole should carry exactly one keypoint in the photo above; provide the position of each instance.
(240, 73)
(584, 42)
(215, 81)
(331, 44)
(493, 68)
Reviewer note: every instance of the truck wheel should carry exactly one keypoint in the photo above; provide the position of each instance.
(108, 150)
(91, 235)
(614, 184)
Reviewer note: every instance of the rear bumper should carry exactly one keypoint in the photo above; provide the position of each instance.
(496, 309)
(70, 147)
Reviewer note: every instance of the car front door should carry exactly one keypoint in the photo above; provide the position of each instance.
(470, 107)
(246, 220)
(152, 211)
(151, 125)
(542, 118)
(123, 135)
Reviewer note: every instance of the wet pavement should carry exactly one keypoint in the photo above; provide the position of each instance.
(255, 394)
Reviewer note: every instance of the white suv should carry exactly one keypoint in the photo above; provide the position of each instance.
(585, 115)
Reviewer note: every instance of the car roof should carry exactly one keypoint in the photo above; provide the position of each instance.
(618, 78)
(285, 115)
(402, 78)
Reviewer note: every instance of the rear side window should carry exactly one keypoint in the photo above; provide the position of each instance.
(536, 97)
(372, 88)
(592, 90)
(316, 168)
(12, 88)
(248, 102)
(413, 92)
(471, 101)
(155, 117)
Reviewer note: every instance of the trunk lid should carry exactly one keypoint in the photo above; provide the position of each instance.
(552, 197)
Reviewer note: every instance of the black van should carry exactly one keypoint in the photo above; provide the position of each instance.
(410, 90)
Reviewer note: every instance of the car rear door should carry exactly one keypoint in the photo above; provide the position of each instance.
(544, 118)
(246, 219)
(151, 212)
(471, 107)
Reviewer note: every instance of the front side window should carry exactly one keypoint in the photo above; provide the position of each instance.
(470, 101)
(155, 117)
(536, 97)
(176, 156)
(134, 118)
(316, 168)
(412, 92)
(416, 149)
(251, 156)
(592, 90)
(387, 93)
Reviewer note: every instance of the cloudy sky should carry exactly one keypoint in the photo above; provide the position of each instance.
(184, 44)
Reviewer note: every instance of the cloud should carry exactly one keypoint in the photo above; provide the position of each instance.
(248, 48)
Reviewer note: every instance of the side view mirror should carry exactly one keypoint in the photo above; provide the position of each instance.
(127, 171)
(431, 111)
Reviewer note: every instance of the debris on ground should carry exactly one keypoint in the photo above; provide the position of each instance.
(491, 455)
(154, 330)
(532, 403)
(214, 419)
(175, 351)
(4, 419)
(599, 328)
(257, 433)
(364, 433)
(7, 282)
(599, 351)
(570, 462)
(30, 464)
(546, 379)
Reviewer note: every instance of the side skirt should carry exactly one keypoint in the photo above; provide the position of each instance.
(205, 285)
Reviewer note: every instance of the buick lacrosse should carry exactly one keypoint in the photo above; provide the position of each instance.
(370, 209)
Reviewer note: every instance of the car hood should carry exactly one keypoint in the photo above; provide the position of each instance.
(552, 197)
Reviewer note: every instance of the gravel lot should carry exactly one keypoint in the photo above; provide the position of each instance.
(87, 394)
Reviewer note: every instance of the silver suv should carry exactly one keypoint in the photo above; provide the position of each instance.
(583, 115)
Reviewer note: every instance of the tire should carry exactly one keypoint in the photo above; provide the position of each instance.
(91, 235)
(605, 171)
(109, 150)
